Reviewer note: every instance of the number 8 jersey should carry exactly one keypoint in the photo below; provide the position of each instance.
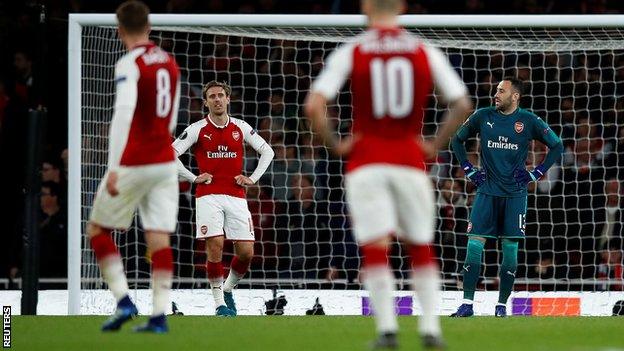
(392, 76)
(147, 96)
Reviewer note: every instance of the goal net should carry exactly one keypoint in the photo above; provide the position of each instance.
(575, 82)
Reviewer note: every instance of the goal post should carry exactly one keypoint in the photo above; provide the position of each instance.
(478, 46)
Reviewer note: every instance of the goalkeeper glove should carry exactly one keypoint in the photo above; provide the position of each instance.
(475, 175)
(523, 177)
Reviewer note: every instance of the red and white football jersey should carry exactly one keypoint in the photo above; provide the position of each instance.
(392, 74)
(146, 107)
(219, 151)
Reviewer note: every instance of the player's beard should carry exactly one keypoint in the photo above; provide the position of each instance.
(503, 105)
(220, 113)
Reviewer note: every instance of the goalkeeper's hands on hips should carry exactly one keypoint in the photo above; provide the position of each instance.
(524, 177)
(475, 175)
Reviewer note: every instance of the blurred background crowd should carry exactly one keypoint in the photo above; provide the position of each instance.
(574, 223)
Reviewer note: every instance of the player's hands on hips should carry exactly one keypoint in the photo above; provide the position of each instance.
(475, 175)
(524, 177)
(111, 183)
(243, 180)
(204, 178)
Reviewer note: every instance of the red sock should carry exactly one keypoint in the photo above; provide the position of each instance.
(239, 266)
(379, 281)
(110, 263)
(162, 275)
(214, 270)
(421, 255)
(162, 260)
(374, 255)
(103, 245)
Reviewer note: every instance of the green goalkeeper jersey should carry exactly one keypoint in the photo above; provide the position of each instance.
(505, 141)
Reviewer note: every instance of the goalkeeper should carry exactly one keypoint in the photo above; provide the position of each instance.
(499, 210)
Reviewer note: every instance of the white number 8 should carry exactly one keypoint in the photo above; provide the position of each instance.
(163, 93)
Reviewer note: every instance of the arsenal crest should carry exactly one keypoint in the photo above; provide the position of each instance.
(519, 127)
(236, 135)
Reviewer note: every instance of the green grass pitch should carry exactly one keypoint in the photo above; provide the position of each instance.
(324, 333)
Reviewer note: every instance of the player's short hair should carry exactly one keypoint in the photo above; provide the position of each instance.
(214, 83)
(386, 5)
(133, 16)
(516, 84)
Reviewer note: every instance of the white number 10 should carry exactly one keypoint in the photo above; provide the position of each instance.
(163, 93)
(392, 84)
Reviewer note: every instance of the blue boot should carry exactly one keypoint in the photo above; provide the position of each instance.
(156, 324)
(224, 311)
(465, 310)
(126, 310)
(229, 301)
(500, 311)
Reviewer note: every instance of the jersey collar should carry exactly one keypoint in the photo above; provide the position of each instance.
(510, 114)
(143, 44)
(218, 126)
(382, 30)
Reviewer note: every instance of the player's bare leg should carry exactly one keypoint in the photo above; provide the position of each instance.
(379, 281)
(238, 269)
(113, 273)
(426, 278)
(162, 276)
(214, 267)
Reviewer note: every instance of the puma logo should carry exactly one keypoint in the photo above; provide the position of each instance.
(466, 268)
(513, 274)
(208, 136)
(490, 124)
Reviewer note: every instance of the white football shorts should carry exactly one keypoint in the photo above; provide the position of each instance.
(227, 215)
(153, 189)
(391, 200)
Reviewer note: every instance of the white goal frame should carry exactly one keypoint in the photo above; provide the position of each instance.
(78, 21)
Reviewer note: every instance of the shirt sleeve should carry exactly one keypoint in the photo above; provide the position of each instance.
(126, 78)
(186, 140)
(184, 173)
(543, 133)
(261, 146)
(337, 70)
(446, 80)
(470, 128)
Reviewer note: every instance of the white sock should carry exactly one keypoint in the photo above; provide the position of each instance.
(467, 301)
(231, 281)
(161, 286)
(114, 275)
(216, 285)
(380, 283)
(427, 286)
